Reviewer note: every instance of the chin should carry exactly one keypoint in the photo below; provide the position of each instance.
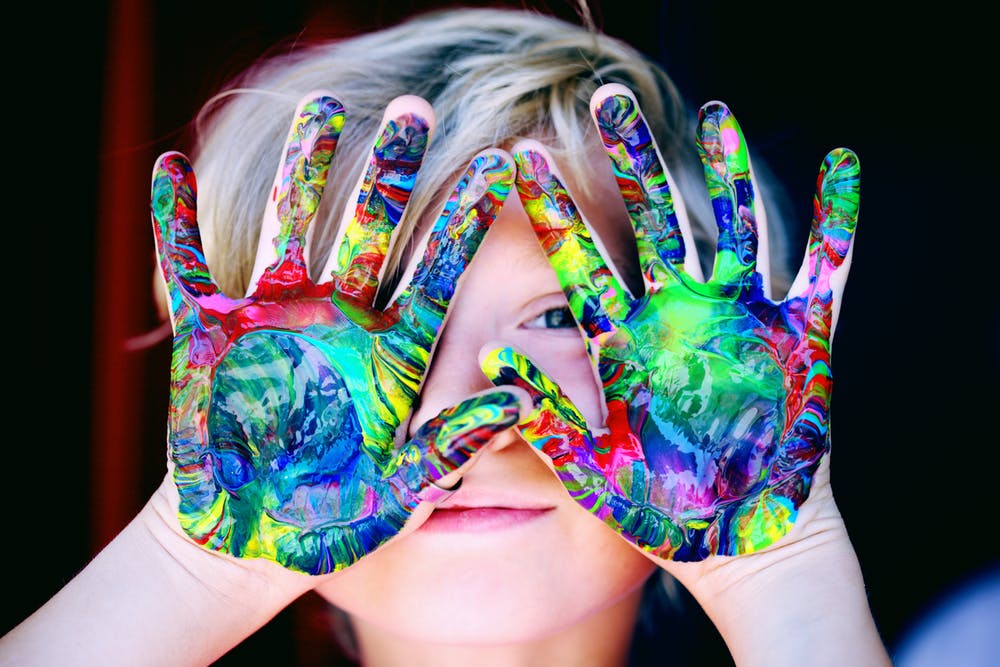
(510, 584)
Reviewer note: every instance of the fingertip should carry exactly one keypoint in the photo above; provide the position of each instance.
(713, 108)
(717, 124)
(498, 155)
(318, 96)
(403, 137)
(514, 403)
(839, 192)
(609, 91)
(315, 94)
(173, 187)
(539, 178)
(493, 357)
(528, 145)
(844, 155)
(493, 167)
(411, 106)
(534, 160)
(171, 162)
(617, 115)
(321, 111)
(493, 409)
(840, 162)
(171, 156)
(454, 438)
(482, 191)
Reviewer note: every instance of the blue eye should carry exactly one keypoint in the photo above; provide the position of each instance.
(553, 318)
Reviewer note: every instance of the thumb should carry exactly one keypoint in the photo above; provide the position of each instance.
(553, 423)
(446, 442)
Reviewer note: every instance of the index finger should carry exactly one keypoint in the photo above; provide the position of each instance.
(420, 308)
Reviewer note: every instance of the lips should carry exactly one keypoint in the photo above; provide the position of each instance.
(468, 497)
(479, 511)
(480, 519)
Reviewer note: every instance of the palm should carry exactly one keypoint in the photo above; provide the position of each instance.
(717, 397)
(285, 404)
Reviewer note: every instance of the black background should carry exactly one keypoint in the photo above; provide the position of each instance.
(916, 357)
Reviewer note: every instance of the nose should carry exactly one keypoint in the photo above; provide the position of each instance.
(453, 376)
(477, 316)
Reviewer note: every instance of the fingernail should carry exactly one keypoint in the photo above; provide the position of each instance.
(721, 140)
(488, 181)
(403, 142)
(618, 118)
(317, 130)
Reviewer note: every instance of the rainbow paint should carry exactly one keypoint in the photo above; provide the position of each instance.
(285, 404)
(717, 397)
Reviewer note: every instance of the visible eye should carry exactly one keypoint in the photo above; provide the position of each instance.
(553, 318)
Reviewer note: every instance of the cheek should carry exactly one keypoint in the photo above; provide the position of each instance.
(515, 586)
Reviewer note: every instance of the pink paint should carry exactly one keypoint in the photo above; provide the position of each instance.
(730, 139)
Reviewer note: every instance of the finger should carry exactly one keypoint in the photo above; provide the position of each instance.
(175, 231)
(421, 306)
(553, 425)
(593, 289)
(823, 274)
(383, 190)
(763, 238)
(282, 258)
(723, 152)
(447, 442)
(835, 214)
(659, 219)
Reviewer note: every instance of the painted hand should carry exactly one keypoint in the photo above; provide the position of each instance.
(286, 404)
(717, 398)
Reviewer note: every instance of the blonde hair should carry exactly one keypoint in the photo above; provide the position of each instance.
(492, 76)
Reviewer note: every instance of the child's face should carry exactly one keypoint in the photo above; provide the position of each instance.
(529, 560)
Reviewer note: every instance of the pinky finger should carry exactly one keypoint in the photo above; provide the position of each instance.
(835, 217)
(175, 230)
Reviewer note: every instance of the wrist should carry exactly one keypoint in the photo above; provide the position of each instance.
(800, 601)
(807, 607)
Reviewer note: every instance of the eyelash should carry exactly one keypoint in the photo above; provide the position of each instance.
(545, 320)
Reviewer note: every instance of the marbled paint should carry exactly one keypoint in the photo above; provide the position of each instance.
(285, 404)
(717, 397)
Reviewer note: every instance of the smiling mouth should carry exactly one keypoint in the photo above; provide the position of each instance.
(481, 519)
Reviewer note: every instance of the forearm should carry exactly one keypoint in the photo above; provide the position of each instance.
(150, 598)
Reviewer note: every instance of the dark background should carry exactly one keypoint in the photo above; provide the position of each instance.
(916, 357)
